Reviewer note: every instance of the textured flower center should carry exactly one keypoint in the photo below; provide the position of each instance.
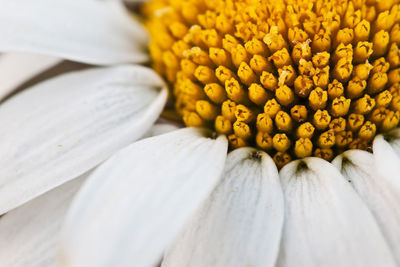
(292, 77)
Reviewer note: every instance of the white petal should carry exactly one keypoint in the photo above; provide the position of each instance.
(89, 31)
(17, 68)
(241, 223)
(394, 140)
(61, 128)
(387, 159)
(161, 128)
(326, 223)
(136, 203)
(30, 233)
(359, 168)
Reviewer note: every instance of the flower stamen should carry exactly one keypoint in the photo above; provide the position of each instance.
(293, 78)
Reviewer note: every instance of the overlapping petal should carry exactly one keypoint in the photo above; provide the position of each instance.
(89, 31)
(241, 222)
(63, 127)
(161, 127)
(29, 234)
(135, 204)
(386, 150)
(17, 68)
(326, 223)
(358, 167)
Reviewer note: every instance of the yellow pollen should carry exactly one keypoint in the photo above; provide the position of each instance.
(283, 121)
(303, 85)
(244, 114)
(246, 74)
(324, 153)
(303, 148)
(272, 107)
(338, 124)
(335, 89)
(355, 121)
(215, 92)
(228, 109)
(299, 113)
(241, 130)
(281, 159)
(206, 110)
(264, 123)
(258, 94)
(340, 106)
(220, 57)
(235, 90)
(264, 141)
(293, 78)
(269, 81)
(260, 64)
(318, 98)
(205, 75)
(326, 139)
(236, 142)
(223, 125)
(284, 95)
(224, 74)
(281, 142)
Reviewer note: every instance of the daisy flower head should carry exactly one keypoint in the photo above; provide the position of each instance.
(290, 157)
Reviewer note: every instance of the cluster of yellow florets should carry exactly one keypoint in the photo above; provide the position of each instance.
(292, 77)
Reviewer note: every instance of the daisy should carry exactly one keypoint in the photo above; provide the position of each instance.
(290, 157)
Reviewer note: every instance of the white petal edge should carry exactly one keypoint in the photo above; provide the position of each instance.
(387, 159)
(392, 138)
(326, 223)
(89, 31)
(241, 223)
(61, 128)
(29, 235)
(17, 68)
(160, 128)
(358, 167)
(135, 204)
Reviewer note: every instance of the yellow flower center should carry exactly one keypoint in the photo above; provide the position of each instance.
(293, 77)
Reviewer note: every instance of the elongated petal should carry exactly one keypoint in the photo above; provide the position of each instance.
(17, 68)
(61, 128)
(136, 203)
(89, 31)
(359, 168)
(326, 223)
(241, 223)
(30, 233)
(386, 150)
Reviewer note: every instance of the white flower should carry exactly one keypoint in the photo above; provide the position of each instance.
(178, 198)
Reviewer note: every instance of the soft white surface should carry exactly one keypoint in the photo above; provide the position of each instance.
(17, 68)
(241, 222)
(359, 168)
(89, 31)
(135, 204)
(161, 128)
(387, 161)
(63, 127)
(394, 140)
(326, 222)
(29, 235)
